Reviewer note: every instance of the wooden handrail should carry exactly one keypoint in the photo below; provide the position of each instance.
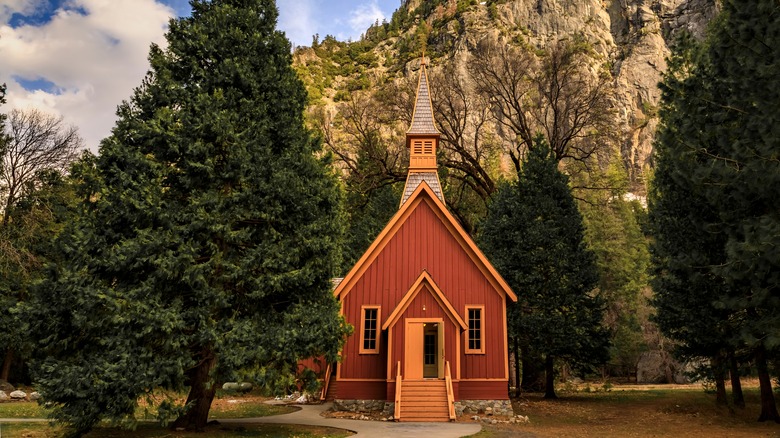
(450, 392)
(397, 413)
(325, 384)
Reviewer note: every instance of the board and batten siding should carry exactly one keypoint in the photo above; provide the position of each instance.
(423, 242)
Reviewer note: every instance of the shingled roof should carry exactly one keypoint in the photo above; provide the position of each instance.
(414, 180)
(422, 119)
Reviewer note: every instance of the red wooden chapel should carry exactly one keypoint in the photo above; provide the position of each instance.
(429, 310)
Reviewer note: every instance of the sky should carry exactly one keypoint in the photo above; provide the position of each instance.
(80, 59)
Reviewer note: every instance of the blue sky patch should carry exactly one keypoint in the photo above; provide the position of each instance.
(42, 14)
(181, 7)
(37, 84)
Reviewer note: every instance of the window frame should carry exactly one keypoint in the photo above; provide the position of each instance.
(481, 349)
(377, 330)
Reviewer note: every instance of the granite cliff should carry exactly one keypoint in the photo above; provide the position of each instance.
(632, 37)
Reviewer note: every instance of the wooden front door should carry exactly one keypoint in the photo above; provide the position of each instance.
(424, 350)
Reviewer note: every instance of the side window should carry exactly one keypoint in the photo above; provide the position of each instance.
(475, 339)
(369, 330)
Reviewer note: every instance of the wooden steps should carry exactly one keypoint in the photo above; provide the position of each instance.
(424, 400)
(332, 389)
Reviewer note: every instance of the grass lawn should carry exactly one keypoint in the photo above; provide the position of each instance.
(240, 406)
(625, 412)
(22, 410)
(43, 430)
(224, 406)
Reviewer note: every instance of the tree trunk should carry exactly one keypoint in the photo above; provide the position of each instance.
(6, 371)
(201, 394)
(532, 372)
(736, 385)
(549, 371)
(719, 372)
(768, 406)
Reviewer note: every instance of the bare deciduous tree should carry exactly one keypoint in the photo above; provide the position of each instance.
(557, 94)
(365, 142)
(38, 142)
(463, 120)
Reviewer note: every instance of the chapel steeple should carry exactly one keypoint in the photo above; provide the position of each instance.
(422, 139)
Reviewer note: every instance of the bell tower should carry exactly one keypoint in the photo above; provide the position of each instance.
(422, 139)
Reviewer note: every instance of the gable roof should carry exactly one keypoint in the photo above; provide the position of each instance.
(425, 194)
(424, 281)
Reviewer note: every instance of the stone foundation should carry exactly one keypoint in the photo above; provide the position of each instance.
(485, 407)
(364, 406)
(502, 408)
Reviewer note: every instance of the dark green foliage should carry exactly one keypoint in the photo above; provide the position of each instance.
(208, 233)
(26, 245)
(615, 236)
(621, 250)
(368, 213)
(684, 248)
(533, 234)
(718, 180)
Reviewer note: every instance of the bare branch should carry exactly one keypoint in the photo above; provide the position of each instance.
(38, 142)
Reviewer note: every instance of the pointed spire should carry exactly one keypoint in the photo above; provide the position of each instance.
(422, 118)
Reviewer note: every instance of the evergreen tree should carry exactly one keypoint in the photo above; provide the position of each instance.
(719, 173)
(207, 236)
(533, 234)
(614, 232)
(740, 176)
(685, 246)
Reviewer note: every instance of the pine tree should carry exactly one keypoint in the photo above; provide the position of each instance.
(533, 234)
(719, 173)
(740, 175)
(208, 233)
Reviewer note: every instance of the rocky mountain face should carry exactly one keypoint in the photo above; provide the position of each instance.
(633, 37)
(642, 32)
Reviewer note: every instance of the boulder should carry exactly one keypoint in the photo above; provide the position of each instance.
(35, 396)
(6, 387)
(18, 395)
(231, 386)
(3, 396)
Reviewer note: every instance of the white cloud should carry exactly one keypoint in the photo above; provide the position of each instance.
(363, 16)
(296, 17)
(9, 7)
(94, 60)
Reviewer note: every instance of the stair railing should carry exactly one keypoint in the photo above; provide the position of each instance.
(397, 413)
(325, 384)
(450, 392)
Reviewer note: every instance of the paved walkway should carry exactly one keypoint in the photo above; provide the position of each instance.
(310, 415)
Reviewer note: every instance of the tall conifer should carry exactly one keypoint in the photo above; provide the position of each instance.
(534, 235)
(208, 232)
(719, 174)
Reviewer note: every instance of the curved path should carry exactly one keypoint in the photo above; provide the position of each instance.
(309, 415)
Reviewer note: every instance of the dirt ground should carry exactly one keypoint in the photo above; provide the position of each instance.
(635, 411)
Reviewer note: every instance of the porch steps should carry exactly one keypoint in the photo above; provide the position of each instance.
(424, 400)
(332, 389)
